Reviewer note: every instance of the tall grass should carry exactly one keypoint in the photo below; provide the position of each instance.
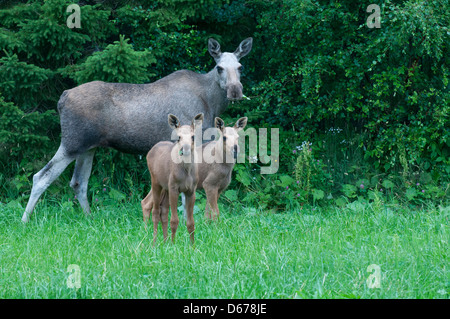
(316, 253)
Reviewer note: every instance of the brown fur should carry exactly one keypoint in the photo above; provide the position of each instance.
(214, 177)
(173, 178)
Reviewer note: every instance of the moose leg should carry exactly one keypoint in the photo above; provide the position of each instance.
(212, 197)
(46, 176)
(156, 213)
(164, 204)
(208, 211)
(174, 220)
(216, 206)
(80, 178)
(156, 217)
(190, 201)
(147, 206)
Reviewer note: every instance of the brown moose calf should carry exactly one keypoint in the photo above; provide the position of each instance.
(173, 170)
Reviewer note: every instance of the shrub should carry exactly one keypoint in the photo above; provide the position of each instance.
(117, 63)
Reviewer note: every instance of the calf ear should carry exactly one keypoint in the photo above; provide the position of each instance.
(214, 49)
(219, 123)
(174, 123)
(244, 48)
(199, 117)
(241, 123)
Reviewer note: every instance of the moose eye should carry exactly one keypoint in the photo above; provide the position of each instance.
(192, 138)
(179, 138)
(224, 138)
(241, 68)
(219, 69)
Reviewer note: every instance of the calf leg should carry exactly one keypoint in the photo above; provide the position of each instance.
(208, 210)
(164, 205)
(216, 206)
(147, 206)
(174, 220)
(212, 195)
(80, 178)
(190, 201)
(156, 213)
(46, 176)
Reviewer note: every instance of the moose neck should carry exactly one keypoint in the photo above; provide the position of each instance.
(186, 167)
(216, 96)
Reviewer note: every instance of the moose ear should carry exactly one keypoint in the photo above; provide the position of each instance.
(219, 123)
(241, 123)
(214, 49)
(174, 123)
(244, 48)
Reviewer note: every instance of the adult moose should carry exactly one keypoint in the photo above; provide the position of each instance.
(133, 117)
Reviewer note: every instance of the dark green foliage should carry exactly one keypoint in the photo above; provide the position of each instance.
(22, 82)
(386, 90)
(117, 63)
(20, 131)
(330, 67)
(24, 138)
(372, 103)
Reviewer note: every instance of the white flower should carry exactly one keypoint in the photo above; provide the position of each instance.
(335, 130)
(305, 145)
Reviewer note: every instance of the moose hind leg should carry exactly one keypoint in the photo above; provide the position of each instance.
(46, 176)
(164, 205)
(147, 206)
(211, 196)
(80, 178)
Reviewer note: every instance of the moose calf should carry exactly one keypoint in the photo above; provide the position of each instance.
(219, 157)
(173, 170)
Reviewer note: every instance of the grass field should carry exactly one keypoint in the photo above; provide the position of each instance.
(320, 253)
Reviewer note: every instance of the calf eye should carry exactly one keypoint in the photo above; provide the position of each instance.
(192, 138)
(224, 138)
(241, 68)
(219, 69)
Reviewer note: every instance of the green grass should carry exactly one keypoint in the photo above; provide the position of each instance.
(313, 254)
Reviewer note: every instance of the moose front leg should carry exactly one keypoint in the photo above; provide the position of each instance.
(174, 220)
(190, 201)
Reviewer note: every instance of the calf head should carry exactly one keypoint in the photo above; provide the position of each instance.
(229, 136)
(184, 136)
